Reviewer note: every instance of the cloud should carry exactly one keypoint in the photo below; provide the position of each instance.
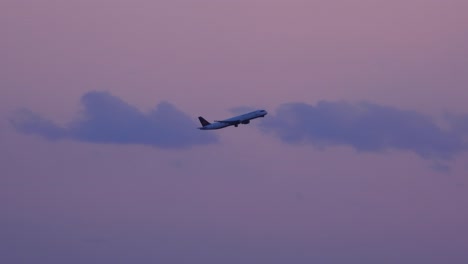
(28, 122)
(365, 127)
(459, 123)
(108, 119)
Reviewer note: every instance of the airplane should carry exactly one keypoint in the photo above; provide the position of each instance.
(233, 121)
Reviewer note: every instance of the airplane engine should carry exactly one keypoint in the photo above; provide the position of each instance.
(245, 122)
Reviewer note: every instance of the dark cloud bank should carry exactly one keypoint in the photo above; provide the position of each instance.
(108, 119)
(367, 127)
(364, 126)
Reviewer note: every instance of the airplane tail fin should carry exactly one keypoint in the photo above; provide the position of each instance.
(203, 121)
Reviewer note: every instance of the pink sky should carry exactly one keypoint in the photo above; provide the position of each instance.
(250, 198)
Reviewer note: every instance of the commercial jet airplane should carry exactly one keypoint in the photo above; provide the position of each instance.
(233, 121)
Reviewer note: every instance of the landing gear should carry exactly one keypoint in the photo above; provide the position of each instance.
(235, 125)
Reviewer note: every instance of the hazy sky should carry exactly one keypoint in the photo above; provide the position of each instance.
(361, 159)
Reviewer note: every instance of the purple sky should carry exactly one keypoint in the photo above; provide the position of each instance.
(362, 158)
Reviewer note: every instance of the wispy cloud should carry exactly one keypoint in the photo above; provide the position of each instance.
(365, 127)
(459, 123)
(108, 119)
